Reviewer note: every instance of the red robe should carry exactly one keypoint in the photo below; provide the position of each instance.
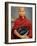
(24, 22)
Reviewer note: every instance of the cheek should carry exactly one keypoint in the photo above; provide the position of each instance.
(19, 12)
(23, 13)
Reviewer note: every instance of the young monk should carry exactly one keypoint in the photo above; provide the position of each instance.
(22, 21)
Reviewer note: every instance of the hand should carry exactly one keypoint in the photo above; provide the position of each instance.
(24, 36)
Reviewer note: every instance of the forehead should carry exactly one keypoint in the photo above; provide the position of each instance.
(21, 9)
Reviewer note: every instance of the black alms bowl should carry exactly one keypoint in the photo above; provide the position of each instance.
(22, 30)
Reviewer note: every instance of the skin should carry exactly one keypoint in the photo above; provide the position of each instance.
(21, 12)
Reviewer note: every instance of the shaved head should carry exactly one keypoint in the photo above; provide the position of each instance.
(21, 11)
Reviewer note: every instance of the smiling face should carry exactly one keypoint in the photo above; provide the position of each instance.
(21, 11)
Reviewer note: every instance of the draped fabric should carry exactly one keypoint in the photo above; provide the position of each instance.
(23, 22)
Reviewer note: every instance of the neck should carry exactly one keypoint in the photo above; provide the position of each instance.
(22, 17)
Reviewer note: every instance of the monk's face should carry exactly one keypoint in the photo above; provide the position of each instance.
(21, 11)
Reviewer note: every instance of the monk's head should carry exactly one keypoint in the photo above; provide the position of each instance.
(21, 11)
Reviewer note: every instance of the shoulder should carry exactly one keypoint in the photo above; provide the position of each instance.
(17, 20)
(28, 21)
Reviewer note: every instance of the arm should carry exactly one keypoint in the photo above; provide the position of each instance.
(21, 36)
(16, 33)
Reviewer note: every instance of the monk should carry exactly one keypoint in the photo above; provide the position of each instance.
(21, 21)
